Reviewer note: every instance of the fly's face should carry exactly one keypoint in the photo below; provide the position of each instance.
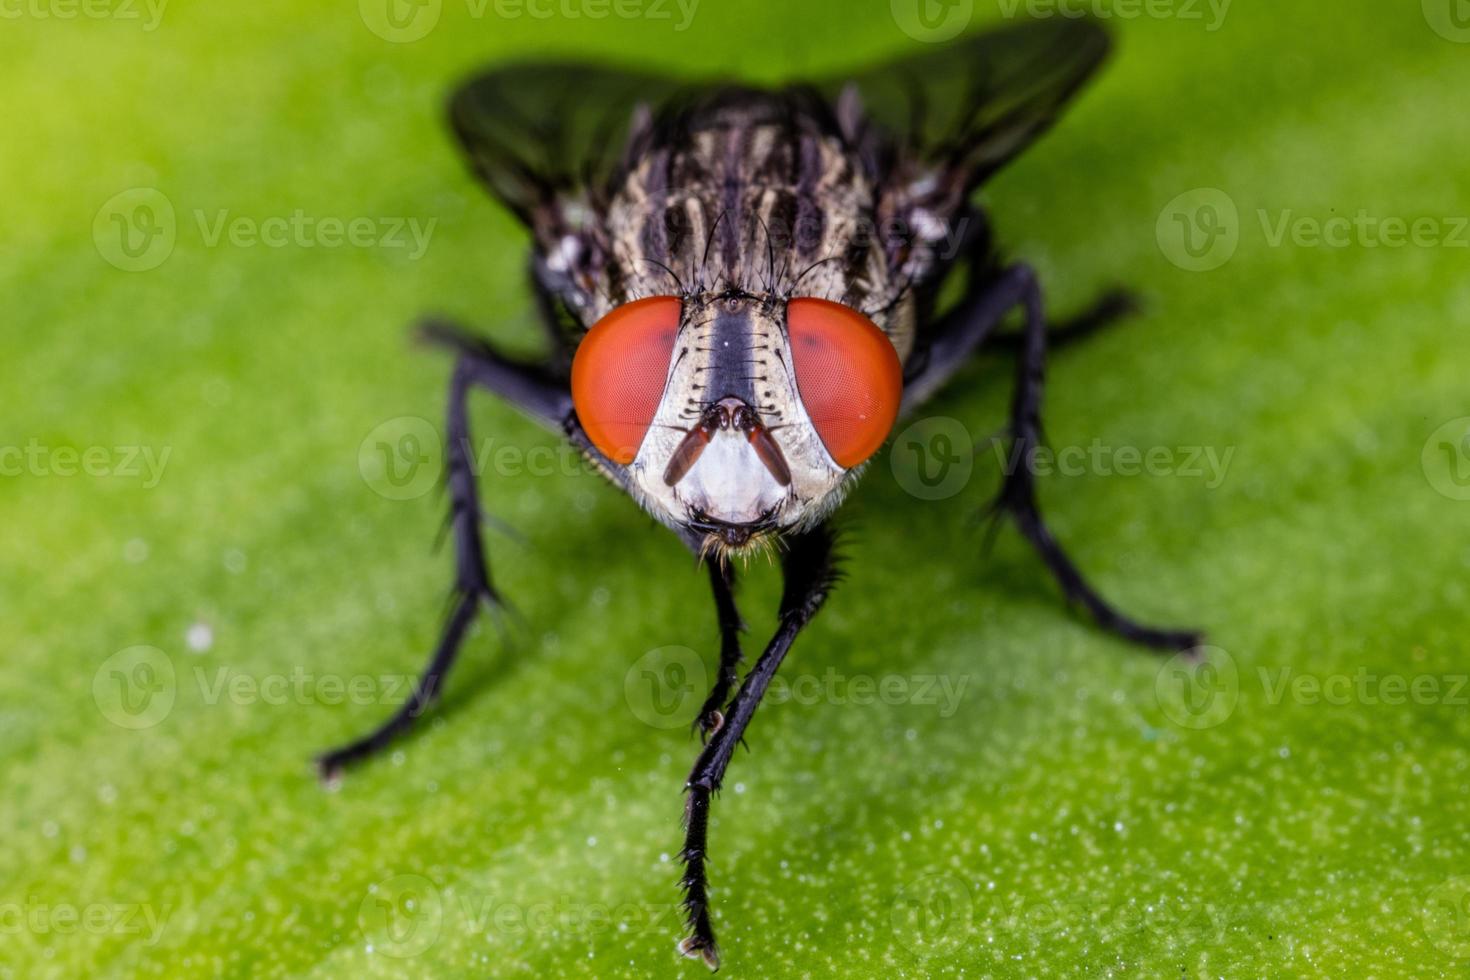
(737, 414)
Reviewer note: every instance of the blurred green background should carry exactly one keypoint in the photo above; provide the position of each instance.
(182, 635)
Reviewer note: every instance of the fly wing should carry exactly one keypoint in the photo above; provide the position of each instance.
(961, 113)
(540, 132)
(544, 136)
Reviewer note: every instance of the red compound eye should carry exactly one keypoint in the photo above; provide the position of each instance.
(848, 374)
(619, 372)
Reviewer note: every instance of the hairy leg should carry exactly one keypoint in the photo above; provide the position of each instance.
(1018, 493)
(809, 571)
(529, 388)
(722, 582)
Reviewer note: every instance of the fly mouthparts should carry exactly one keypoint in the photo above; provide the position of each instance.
(731, 535)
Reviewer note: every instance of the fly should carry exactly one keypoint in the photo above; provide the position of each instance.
(741, 292)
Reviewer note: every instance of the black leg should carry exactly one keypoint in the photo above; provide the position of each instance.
(1018, 493)
(722, 582)
(809, 571)
(1109, 308)
(537, 390)
(529, 389)
(961, 332)
(558, 330)
(958, 334)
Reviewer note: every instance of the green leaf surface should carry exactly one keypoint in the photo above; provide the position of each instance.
(207, 576)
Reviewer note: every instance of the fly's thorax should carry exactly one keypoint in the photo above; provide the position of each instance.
(731, 444)
(749, 200)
